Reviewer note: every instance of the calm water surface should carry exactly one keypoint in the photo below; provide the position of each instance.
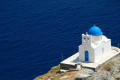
(34, 33)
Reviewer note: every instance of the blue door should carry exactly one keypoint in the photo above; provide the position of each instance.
(86, 56)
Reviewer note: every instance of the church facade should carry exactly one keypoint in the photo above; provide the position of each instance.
(94, 46)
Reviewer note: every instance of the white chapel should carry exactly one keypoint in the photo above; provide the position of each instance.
(94, 51)
(94, 46)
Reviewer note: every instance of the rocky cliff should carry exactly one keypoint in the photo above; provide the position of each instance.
(108, 71)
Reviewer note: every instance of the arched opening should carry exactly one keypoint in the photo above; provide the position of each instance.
(86, 56)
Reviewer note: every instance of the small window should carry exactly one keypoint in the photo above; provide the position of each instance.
(102, 50)
(88, 39)
(84, 39)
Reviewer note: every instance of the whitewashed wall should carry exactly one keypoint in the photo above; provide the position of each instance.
(82, 50)
(100, 53)
(95, 54)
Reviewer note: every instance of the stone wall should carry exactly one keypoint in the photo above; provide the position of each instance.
(67, 66)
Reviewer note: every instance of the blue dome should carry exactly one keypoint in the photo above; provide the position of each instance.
(95, 31)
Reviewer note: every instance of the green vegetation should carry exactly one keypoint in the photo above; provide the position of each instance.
(54, 74)
(110, 67)
(54, 69)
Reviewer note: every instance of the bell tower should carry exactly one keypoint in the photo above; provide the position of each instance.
(86, 39)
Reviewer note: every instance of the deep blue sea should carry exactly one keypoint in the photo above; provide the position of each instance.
(34, 33)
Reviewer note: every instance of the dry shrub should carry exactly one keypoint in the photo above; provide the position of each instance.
(108, 66)
(54, 69)
(90, 78)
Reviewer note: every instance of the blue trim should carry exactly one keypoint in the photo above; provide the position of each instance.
(86, 56)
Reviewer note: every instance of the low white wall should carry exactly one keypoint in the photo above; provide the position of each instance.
(70, 59)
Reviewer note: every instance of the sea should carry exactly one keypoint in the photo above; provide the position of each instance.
(34, 34)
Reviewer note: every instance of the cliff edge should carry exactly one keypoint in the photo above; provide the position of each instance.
(110, 70)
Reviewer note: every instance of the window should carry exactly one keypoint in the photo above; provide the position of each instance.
(102, 50)
(84, 39)
(88, 39)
